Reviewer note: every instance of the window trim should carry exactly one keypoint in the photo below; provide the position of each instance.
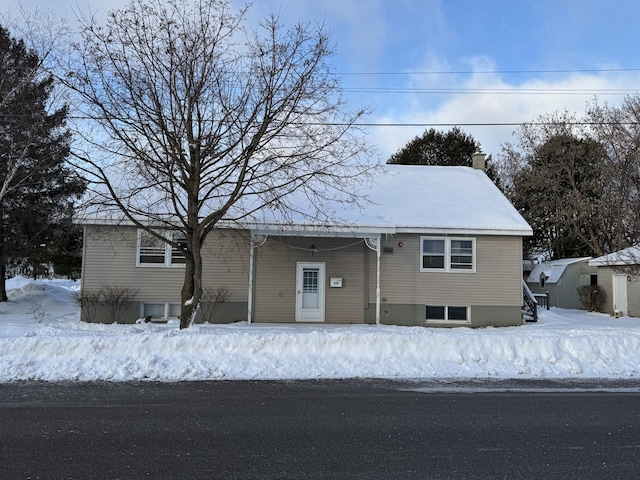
(447, 255)
(446, 315)
(168, 252)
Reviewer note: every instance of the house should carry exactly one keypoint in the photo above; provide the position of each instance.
(437, 246)
(561, 279)
(618, 276)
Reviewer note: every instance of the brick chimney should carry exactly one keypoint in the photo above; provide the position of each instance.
(479, 160)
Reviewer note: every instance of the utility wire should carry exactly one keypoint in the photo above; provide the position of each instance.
(436, 72)
(491, 72)
(408, 124)
(493, 91)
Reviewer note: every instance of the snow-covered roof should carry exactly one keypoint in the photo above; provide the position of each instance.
(553, 269)
(628, 256)
(426, 199)
(416, 198)
(413, 199)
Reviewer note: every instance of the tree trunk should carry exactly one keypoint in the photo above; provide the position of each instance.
(192, 287)
(3, 285)
(3, 260)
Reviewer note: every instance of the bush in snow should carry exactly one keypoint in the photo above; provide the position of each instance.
(211, 300)
(116, 298)
(592, 297)
(38, 313)
(88, 301)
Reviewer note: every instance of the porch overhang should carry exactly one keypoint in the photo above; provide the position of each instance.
(371, 236)
(335, 231)
(364, 230)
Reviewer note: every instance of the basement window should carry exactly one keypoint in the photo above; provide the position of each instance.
(159, 311)
(447, 313)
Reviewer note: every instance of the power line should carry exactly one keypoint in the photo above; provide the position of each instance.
(447, 124)
(492, 72)
(484, 124)
(405, 124)
(496, 91)
(436, 72)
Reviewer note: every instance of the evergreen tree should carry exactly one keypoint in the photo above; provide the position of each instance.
(37, 186)
(559, 192)
(453, 148)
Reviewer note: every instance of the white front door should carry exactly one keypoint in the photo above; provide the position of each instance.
(620, 294)
(310, 292)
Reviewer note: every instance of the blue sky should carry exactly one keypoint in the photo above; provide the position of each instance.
(462, 62)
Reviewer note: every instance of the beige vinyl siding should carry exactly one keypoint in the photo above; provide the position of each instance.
(109, 258)
(275, 280)
(497, 280)
(226, 263)
(633, 296)
(605, 280)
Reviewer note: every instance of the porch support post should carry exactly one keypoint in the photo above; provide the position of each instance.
(378, 281)
(250, 296)
(374, 243)
(254, 242)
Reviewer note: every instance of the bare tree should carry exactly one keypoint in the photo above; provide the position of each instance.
(618, 130)
(582, 197)
(204, 120)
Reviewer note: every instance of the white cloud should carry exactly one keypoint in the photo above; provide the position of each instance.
(480, 100)
(375, 36)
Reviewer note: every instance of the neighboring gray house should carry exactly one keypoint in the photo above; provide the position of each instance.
(438, 246)
(616, 277)
(561, 279)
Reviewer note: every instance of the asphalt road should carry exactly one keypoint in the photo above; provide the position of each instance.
(319, 430)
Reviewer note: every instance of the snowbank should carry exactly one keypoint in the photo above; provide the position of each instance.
(564, 343)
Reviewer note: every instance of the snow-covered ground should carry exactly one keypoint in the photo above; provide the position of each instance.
(41, 338)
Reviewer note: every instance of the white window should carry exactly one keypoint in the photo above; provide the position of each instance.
(443, 254)
(447, 313)
(154, 252)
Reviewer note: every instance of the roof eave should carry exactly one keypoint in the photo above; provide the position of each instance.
(328, 230)
(500, 231)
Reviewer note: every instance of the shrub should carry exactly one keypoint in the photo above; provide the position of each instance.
(592, 297)
(211, 300)
(38, 313)
(116, 299)
(88, 301)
